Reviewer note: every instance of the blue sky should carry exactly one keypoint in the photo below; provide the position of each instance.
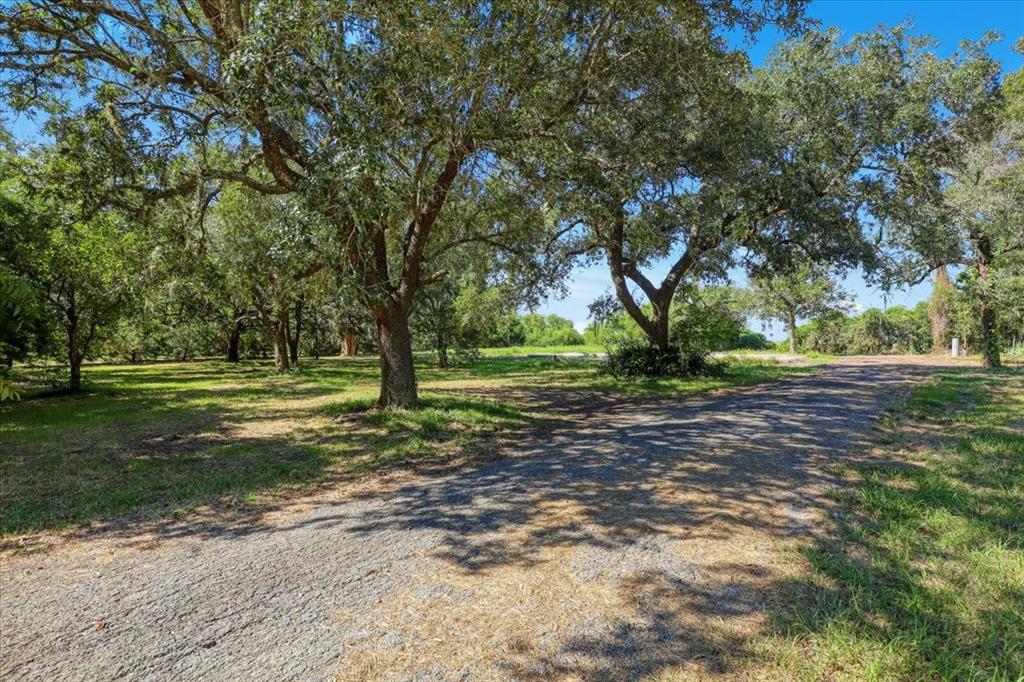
(948, 21)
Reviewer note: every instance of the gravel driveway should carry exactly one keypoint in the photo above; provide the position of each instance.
(639, 537)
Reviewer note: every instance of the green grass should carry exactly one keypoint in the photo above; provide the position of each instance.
(156, 439)
(510, 351)
(923, 578)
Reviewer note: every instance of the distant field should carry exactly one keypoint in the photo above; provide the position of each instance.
(159, 438)
(540, 350)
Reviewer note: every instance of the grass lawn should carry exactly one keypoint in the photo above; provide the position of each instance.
(540, 350)
(158, 439)
(923, 576)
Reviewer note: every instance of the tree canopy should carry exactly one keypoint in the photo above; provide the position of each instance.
(242, 171)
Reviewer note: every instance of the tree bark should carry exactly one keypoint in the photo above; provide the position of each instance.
(656, 328)
(398, 375)
(791, 326)
(349, 344)
(938, 310)
(234, 340)
(74, 350)
(989, 338)
(660, 338)
(281, 361)
(442, 354)
(293, 338)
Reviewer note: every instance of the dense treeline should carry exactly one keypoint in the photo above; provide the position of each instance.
(392, 176)
(719, 319)
(912, 330)
(893, 330)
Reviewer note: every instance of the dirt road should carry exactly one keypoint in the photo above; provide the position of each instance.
(640, 537)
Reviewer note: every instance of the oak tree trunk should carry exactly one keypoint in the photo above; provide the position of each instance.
(74, 357)
(398, 375)
(74, 349)
(281, 362)
(989, 337)
(293, 336)
(939, 309)
(442, 354)
(655, 327)
(791, 326)
(660, 336)
(349, 344)
(234, 341)
(989, 342)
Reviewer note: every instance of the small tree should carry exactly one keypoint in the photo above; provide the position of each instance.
(22, 317)
(601, 312)
(1009, 300)
(264, 245)
(807, 292)
(435, 318)
(939, 309)
(550, 330)
(83, 256)
(710, 318)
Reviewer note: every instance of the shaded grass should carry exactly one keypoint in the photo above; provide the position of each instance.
(582, 374)
(161, 438)
(923, 577)
(442, 428)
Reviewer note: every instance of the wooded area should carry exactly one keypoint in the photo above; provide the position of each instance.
(210, 180)
(283, 393)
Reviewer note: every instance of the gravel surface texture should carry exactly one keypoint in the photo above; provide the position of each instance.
(634, 538)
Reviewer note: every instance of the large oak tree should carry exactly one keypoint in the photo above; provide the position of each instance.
(970, 214)
(801, 160)
(374, 112)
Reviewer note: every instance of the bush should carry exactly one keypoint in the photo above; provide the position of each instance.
(896, 330)
(749, 340)
(563, 336)
(711, 328)
(550, 330)
(631, 360)
(21, 318)
(508, 332)
(829, 334)
(463, 357)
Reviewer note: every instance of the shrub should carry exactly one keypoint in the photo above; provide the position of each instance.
(7, 390)
(508, 332)
(708, 327)
(463, 357)
(550, 330)
(828, 334)
(21, 318)
(632, 360)
(896, 330)
(749, 340)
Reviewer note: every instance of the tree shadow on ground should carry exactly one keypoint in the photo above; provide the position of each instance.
(921, 572)
(698, 477)
(915, 571)
(642, 467)
(673, 504)
(145, 442)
